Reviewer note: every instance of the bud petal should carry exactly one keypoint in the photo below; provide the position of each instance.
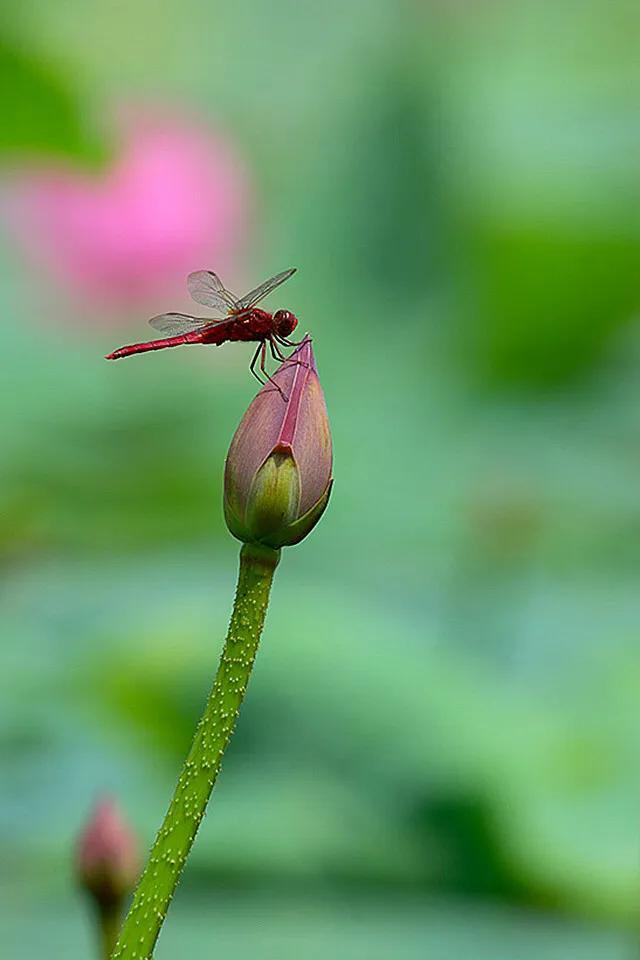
(274, 496)
(278, 470)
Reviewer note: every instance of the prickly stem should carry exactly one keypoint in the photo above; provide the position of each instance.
(177, 833)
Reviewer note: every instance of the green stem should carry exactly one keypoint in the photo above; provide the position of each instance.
(109, 920)
(176, 835)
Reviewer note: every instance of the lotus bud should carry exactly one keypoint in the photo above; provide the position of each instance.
(278, 470)
(107, 859)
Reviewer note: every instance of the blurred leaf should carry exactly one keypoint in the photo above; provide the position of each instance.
(40, 111)
(393, 238)
(549, 299)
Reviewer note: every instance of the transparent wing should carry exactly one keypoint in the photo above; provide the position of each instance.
(250, 299)
(174, 324)
(207, 288)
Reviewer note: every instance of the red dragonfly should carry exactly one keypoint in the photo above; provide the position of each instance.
(240, 319)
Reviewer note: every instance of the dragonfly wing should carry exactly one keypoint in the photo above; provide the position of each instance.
(207, 288)
(250, 299)
(174, 324)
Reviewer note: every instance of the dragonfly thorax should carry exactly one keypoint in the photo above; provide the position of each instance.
(284, 322)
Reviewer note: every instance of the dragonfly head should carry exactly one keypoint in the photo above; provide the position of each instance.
(284, 322)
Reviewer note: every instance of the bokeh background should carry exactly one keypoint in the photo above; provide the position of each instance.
(439, 755)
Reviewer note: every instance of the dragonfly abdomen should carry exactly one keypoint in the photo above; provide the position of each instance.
(152, 345)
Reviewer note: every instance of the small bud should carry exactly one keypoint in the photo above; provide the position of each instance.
(278, 471)
(107, 860)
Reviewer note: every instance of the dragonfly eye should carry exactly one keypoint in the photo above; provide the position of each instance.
(285, 322)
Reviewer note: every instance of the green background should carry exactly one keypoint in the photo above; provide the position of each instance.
(439, 751)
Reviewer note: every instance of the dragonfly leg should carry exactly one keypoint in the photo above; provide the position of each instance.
(276, 352)
(261, 352)
(254, 360)
(289, 343)
(280, 356)
(263, 357)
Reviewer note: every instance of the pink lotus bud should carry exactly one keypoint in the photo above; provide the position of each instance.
(107, 861)
(278, 471)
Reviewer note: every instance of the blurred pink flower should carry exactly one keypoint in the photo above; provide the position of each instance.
(175, 198)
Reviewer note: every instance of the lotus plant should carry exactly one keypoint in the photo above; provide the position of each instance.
(278, 479)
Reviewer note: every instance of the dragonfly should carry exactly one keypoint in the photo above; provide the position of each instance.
(238, 319)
